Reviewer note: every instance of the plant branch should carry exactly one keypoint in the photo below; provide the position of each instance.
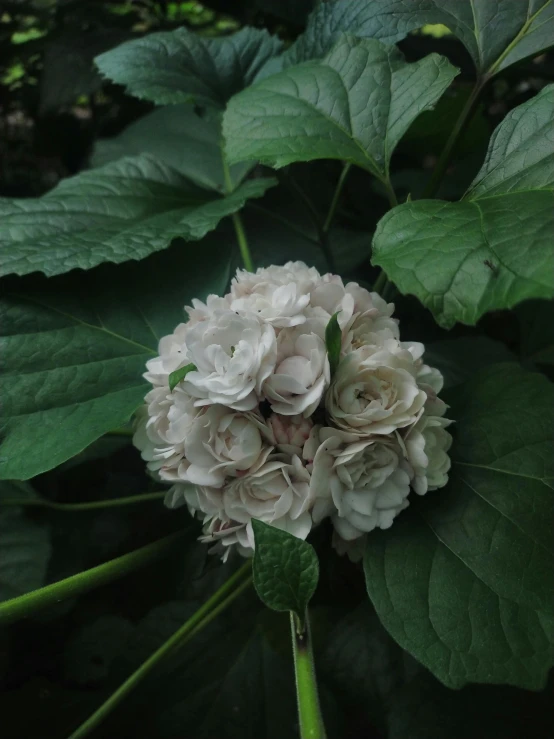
(459, 128)
(237, 220)
(393, 200)
(25, 605)
(336, 196)
(89, 506)
(199, 620)
(380, 283)
(309, 712)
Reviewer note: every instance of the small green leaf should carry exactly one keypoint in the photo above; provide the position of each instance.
(333, 342)
(125, 210)
(181, 66)
(463, 579)
(354, 105)
(180, 374)
(286, 569)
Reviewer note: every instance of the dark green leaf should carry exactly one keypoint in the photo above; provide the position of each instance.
(125, 210)
(495, 35)
(24, 549)
(459, 359)
(178, 137)
(354, 105)
(74, 349)
(492, 249)
(463, 580)
(333, 342)
(180, 66)
(521, 151)
(536, 320)
(286, 569)
(180, 374)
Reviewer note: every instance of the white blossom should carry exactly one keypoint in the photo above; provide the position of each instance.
(233, 355)
(289, 433)
(375, 389)
(427, 444)
(361, 485)
(302, 370)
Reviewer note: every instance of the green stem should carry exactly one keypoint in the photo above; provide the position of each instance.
(309, 712)
(380, 283)
(336, 196)
(91, 505)
(26, 605)
(203, 616)
(393, 200)
(237, 220)
(446, 154)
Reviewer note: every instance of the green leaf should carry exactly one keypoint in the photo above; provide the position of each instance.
(333, 341)
(354, 105)
(536, 320)
(125, 210)
(496, 36)
(492, 249)
(286, 569)
(459, 359)
(521, 150)
(74, 349)
(181, 67)
(178, 137)
(24, 549)
(463, 580)
(176, 377)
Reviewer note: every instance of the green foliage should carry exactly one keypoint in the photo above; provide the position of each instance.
(94, 335)
(319, 110)
(463, 583)
(125, 210)
(286, 569)
(182, 67)
(459, 624)
(491, 249)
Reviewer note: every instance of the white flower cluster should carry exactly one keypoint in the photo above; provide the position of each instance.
(258, 428)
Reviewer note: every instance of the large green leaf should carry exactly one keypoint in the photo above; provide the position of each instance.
(74, 349)
(459, 359)
(24, 549)
(495, 35)
(463, 580)
(178, 137)
(492, 249)
(353, 105)
(521, 150)
(125, 210)
(180, 66)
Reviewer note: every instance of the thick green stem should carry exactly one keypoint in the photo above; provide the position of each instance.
(393, 200)
(446, 154)
(26, 605)
(237, 221)
(309, 712)
(90, 506)
(203, 616)
(336, 196)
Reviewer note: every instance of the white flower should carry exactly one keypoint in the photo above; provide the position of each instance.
(296, 273)
(172, 355)
(278, 493)
(354, 549)
(375, 390)
(226, 535)
(233, 355)
(427, 444)
(222, 443)
(289, 433)
(359, 312)
(302, 371)
(361, 485)
(161, 427)
(280, 305)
